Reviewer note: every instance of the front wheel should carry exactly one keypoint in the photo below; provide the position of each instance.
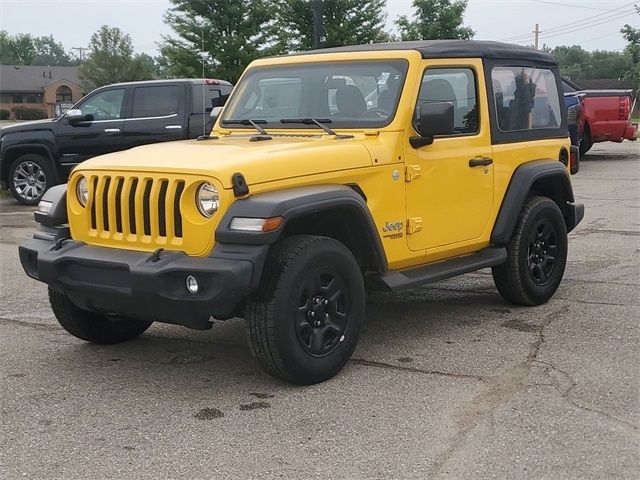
(92, 326)
(29, 177)
(537, 255)
(305, 320)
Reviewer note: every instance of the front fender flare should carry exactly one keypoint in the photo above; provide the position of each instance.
(293, 203)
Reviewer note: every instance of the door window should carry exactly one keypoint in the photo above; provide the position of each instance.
(455, 85)
(526, 98)
(105, 105)
(155, 101)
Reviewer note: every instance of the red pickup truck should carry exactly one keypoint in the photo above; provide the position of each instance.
(607, 115)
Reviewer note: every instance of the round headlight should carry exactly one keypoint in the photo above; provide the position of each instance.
(82, 191)
(207, 199)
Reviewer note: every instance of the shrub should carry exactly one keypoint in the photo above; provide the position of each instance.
(4, 114)
(27, 113)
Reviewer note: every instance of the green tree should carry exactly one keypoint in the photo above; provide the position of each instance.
(111, 59)
(435, 19)
(23, 49)
(16, 49)
(235, 32)
(577, 63)
(50, 52)
(632, 36)
(346, 22)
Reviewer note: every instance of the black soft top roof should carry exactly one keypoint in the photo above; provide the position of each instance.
(453, 49)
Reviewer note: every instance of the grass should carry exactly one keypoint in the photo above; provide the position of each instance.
(4, 193)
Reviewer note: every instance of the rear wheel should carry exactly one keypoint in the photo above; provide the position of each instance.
(91, 326)
(304, 323)
(29, 177)
(537, 254)
(585, 142)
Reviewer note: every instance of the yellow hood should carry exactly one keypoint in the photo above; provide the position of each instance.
(262, 161)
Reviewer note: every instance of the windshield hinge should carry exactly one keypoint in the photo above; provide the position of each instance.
(414, 225)
(412, 172)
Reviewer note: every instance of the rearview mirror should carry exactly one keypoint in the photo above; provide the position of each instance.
(434, 118)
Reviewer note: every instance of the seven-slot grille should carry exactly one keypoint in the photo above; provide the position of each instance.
(132, 208)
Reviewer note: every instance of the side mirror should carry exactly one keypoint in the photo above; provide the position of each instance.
(74, 115)
(215, 113)
(434, 118)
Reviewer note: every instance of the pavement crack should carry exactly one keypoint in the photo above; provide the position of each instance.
(402, 368)
(502, 388)
(23, 323)
(565, 394)
(590, 302)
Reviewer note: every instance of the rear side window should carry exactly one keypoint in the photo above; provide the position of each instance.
(155, 101)
(455, 85)
(526, 98)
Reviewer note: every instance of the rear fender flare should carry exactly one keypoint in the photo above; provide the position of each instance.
(542, 177)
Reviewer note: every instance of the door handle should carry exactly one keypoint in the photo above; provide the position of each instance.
(111, 130)
(173, 127)
(480, 162)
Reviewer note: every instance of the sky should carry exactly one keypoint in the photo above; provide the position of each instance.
(595, 25)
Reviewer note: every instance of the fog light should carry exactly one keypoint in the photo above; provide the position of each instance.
(192, 284)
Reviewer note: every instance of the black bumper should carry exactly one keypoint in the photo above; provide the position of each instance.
(139, 285)
(575, 214)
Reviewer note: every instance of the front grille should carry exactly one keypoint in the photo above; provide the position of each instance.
(136, 209)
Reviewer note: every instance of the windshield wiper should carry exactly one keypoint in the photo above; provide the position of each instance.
(247, 121)
(320, 122)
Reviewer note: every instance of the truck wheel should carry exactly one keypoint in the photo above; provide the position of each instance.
(585, 142)
(537, 254)
(29, 177)
(91, 326)
(303, 323)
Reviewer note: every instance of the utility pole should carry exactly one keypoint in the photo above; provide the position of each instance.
(80, 52)
(536, 35)
(319, 34)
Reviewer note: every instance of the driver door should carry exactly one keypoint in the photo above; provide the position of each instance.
(452, 197)
(79, 141)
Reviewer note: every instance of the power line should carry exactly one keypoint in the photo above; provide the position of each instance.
(585, 22)
(588, 26)
(574, 6)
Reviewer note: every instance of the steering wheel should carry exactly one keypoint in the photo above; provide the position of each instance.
(99, 112)
(376, 112)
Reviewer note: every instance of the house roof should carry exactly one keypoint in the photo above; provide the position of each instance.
(34, 78)
(454, 49)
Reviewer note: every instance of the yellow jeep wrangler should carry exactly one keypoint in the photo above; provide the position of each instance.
(386, 165)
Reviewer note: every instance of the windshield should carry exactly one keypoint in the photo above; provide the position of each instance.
(361, 94)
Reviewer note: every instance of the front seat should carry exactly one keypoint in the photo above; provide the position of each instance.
(350, 101)
(439, 90)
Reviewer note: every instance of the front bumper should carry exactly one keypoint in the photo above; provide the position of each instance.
(143, 285)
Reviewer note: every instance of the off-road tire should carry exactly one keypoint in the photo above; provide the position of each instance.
(43, 172)
(91, 326)
(515, 279)
(273, 313)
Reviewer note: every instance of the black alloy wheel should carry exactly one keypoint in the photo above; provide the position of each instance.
(543, 247)
(323, 312)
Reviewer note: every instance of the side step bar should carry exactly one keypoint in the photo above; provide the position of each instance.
(395, 280)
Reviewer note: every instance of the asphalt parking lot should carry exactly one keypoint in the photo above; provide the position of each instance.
(448, 381)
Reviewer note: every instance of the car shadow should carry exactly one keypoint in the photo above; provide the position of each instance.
(169, 360)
